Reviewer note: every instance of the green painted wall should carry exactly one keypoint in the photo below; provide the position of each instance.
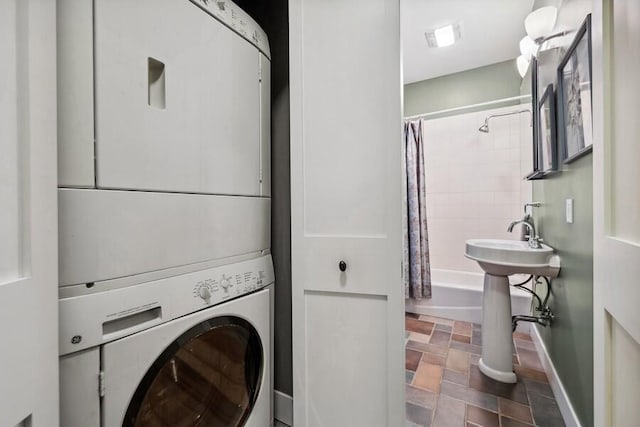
(496, 81)
(569, 339)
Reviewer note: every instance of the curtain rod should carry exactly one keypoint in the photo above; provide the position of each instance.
(469, 107)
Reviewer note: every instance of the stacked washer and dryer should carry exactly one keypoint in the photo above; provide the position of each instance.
(166, 279)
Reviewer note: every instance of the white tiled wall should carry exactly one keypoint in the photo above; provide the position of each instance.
(475, 185)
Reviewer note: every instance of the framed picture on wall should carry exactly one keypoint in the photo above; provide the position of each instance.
(546, 127)
(574, 96)
(537, 173)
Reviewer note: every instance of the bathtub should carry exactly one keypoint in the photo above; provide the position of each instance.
(457, 295)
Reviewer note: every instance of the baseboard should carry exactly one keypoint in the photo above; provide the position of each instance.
(566, 409)
(283, 407)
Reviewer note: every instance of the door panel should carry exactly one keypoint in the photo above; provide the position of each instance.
(351, 371)
(346, 206)
(616, 63)
(28, 220)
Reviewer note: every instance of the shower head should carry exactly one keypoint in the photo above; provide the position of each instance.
(485, 127)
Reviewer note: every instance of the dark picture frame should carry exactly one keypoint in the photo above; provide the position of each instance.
(536, 173)
(575, 115)
(547, 147)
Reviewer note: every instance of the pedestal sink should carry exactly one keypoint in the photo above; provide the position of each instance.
(499, 259)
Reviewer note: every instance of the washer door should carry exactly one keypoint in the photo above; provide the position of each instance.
(209, 376)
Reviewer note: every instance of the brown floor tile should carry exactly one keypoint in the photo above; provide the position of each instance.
(461, 338)
(458, 360)
(461, 378)
(440, 338)
(480, 382)
(469, 395)
(532, 374)
(469, 348)
(448, 389)
(412, 358)
(516, 411)
(449, 412)
(514, 359)
(434, 359)
(428, 377)
(427, 348)
(474, 359)
(508, 422)
(530, 359)
(415, 325)
(522, 336)
(545, 411)
(476, 337)
(444, 328)
(437, 320)
(420, 397)
(482, 417)
(418, 415)
(537, 387)
(416, 336)
(462, 328)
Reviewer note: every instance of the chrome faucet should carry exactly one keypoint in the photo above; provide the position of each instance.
(533, 239)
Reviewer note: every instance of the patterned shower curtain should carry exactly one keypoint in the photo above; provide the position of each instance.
(417, 270)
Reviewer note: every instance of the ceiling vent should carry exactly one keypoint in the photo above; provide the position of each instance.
(444, 36)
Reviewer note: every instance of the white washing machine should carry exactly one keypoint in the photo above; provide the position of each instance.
(190, 350)
(164, 214)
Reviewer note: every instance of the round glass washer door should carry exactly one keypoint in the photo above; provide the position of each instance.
(208, 377)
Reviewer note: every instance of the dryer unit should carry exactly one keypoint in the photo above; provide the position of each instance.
(164, 138)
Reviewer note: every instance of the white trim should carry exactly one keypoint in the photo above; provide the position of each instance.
(283, 407)
(470, 107)
(564, 403)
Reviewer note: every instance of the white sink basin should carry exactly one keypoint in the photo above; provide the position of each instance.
(506, 257)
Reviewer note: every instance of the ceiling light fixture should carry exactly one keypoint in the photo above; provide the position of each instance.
(444, 36)
(540, 22)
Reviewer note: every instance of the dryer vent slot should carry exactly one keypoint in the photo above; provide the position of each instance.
(131, 322)
(157, 90)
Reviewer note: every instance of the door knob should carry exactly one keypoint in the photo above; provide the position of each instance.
(342, 265)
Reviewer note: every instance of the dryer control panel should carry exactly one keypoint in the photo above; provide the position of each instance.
(94, 319)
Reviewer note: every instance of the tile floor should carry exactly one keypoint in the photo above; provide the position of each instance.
(444, 387)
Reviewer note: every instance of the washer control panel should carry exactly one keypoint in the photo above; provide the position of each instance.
(231, 281)
(98, 318)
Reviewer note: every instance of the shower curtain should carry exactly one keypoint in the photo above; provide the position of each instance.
(417, 270)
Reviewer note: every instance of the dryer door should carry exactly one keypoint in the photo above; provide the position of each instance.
(209, 376)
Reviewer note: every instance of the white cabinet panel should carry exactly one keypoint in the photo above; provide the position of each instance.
(175, 110)
(355, 394)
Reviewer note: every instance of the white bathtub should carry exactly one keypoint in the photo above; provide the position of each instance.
(458, 295)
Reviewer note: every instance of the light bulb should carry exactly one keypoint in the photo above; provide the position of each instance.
(523, 65)
(528, 47)
(540, 22)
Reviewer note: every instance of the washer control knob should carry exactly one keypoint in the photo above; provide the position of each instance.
(224, 282)
(204, 293)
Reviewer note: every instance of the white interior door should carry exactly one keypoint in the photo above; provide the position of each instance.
(28, 214)
(616, 67)
(346, 204)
